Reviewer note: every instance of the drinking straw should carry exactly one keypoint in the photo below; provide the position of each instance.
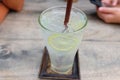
(68, 10)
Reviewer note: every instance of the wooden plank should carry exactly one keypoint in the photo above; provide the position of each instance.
(24, 25)
(97, 60)
(21, 33)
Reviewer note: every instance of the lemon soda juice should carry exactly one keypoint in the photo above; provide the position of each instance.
(62, 42)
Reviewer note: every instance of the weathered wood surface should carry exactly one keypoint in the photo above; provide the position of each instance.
(20, 32)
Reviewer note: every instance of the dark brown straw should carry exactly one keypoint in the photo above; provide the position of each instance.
(68, 10)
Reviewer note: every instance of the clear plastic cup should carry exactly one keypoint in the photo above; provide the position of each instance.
(62, 43)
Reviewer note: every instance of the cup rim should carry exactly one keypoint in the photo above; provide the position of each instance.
(82, 12)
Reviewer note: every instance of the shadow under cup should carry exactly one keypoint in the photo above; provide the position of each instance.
(62, 43)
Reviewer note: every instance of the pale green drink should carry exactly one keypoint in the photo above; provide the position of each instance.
(62, 44)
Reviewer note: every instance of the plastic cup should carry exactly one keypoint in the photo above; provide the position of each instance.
(62, 44)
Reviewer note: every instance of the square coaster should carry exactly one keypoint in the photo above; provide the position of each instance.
(46, 74)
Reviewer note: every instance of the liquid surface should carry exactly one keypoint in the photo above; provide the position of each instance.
(54, 20)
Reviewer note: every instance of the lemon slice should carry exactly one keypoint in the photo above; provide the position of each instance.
(62, 42)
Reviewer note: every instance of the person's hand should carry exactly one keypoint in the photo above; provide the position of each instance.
(111, 2)
(109, 14)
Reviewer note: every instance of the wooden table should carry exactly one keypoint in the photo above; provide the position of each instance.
(20, 32)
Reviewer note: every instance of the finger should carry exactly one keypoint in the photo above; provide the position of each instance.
(118, 2)
(115, 2)
(107, 1)
(107, 10)
(106, 17)
(101, 15)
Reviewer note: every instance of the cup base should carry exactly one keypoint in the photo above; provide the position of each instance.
(47, 73)
(68, 72)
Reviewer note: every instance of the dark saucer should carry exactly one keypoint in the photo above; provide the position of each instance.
(45, 73)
